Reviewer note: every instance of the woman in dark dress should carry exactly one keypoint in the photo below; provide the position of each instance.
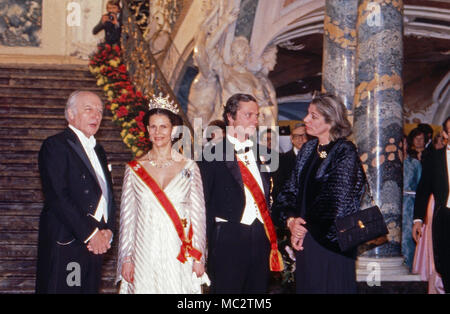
(327, 182)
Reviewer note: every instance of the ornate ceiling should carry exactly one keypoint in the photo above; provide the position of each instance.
(426, 54)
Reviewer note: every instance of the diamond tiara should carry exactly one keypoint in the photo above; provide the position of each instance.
(161, 102)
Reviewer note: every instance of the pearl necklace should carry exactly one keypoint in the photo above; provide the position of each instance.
(160, 164)
(164, 164)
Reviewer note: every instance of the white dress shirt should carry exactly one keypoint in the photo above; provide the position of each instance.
(251, 210)
(296, 150)
(88, 146)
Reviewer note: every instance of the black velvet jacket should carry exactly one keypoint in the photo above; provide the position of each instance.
(341, 183)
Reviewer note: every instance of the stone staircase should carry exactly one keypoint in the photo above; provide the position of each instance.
(32, 101)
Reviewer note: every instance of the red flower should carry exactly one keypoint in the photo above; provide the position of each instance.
(118, 79)
(139, 119)
(122, 68)
(122, 111)
(123, 98)
(140, 116)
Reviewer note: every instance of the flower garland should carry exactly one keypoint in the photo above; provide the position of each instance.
(127, 105)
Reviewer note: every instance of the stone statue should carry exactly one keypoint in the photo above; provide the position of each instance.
(236, 77)
(224, 69)
(269, 108)
(204, 94)
(158, 30)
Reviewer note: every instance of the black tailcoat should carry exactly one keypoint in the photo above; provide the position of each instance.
(434, 180)
(225, 198)
(71, 195)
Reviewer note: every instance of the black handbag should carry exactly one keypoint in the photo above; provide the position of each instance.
(363, 226)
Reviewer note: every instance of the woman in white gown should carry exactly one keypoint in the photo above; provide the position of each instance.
(162, 219)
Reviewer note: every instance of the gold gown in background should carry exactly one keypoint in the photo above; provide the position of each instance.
(148, 237)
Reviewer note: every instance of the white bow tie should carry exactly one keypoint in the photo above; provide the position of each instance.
(91, 142)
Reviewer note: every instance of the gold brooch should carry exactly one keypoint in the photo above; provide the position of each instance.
(322, 153)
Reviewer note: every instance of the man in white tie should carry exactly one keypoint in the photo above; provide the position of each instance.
(239, 248)
(435, 180)
(76, 224)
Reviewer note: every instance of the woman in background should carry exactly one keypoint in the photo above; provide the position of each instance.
(412, 170)
(416, 143)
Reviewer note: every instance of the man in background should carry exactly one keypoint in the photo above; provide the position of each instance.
(287, 160)
(111, 23)
(435, 181)
(429, 148)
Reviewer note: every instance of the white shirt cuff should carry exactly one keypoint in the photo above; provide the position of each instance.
(92, 234)
(417, 220)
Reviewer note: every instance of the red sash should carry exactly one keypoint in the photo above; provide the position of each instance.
(186, 246)
(275, 259)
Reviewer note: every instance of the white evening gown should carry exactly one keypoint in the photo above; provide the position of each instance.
(149, 238)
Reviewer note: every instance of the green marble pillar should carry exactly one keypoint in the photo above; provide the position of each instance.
(378, 107)
(339, 50)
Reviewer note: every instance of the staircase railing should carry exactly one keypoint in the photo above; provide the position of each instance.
(142, 67)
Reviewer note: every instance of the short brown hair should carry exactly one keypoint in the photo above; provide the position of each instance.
(444, 125)
(232, 105)
(334, 113)
(113, 2)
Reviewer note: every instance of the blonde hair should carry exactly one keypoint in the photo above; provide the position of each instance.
(334, 113)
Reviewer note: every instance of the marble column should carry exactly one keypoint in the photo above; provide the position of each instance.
(378, 121)
(339, 50)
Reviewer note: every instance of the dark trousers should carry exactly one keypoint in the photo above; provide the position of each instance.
(76, 270)
(239, 259)
(441, 244)
(446, 282)
(67, 268)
